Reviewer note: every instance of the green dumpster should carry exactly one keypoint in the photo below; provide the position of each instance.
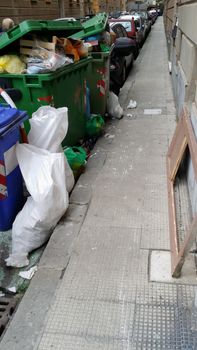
(63, 87)
(98, 71)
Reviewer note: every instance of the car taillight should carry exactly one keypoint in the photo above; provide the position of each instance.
(133, 31)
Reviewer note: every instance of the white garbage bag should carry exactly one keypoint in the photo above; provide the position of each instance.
(49, 127)
(44, 175)
(113, 107)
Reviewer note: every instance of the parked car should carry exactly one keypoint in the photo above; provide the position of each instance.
(121, 57)
(134, 28)
(115, 14)
(121, 32)
(66, 19)
(147, 21)
(130, 29)
(140, 26)
(153, 15)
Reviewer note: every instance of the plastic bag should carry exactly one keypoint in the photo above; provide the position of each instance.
(49, 127)
(94, 125)
(113, 107)
(82, 49)
(76, 157)
(44, 175)
(71, 50)
(11, 64)
(43, 60)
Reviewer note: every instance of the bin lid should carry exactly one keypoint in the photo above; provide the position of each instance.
(29, 26)
(93, 26)
(10, 117)
(7, 115)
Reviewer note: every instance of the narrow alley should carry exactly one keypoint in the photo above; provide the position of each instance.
(97, 291)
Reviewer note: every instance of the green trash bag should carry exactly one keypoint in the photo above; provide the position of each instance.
(76, 157)
(94, 125)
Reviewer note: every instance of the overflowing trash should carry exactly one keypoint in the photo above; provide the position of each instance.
(42, 53)
(76, 157)
(45, 62)
(49, 126)
(49, 170)
(29, 273)
(44, 176)
(52, 56)
(113, 107)
(48, 179)
(95, 125)
(11, 64)
(38, 56)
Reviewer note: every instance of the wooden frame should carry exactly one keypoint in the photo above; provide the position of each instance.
(26, 46)
(184, 136)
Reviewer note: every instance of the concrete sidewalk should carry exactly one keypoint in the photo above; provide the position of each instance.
(93, 289)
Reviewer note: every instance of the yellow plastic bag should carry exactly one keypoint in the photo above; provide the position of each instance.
(11, 64)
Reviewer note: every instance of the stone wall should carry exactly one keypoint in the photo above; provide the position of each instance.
(180, 20)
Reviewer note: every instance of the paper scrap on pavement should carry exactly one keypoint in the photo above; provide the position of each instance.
(153, 111)
(108, 136)
(132, 104)
(12, 289)
(29, 273)
(170, 67)
(129, 115)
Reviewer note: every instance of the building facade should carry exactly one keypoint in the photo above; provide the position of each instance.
(20, 10)
(181, 32)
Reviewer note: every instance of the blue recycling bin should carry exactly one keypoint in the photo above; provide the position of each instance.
(11, 182)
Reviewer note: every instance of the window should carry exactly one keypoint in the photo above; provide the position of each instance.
(127, 26)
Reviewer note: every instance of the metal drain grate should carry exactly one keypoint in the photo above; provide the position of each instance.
(7, 307)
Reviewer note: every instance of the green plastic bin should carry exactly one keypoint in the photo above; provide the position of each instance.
(98, 72)
(98, 82)
(10, 39)
(64, 87)
(92, 26)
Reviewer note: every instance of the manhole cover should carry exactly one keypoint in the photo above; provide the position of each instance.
(7, 307)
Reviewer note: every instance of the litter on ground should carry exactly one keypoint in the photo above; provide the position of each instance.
(108, 136)
(153, 111)
(132, 104)
(29, 273)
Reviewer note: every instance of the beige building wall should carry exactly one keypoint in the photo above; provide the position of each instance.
(20, 10)
(74, 8)
(181, 15)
